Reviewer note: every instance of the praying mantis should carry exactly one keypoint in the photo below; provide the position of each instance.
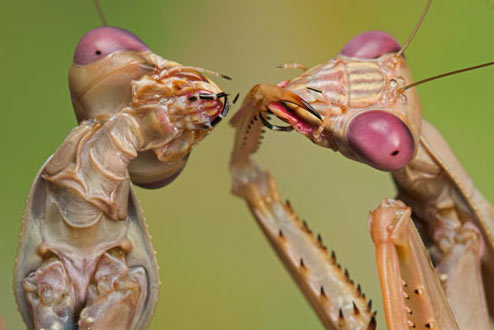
(85, 257)
(363, 104)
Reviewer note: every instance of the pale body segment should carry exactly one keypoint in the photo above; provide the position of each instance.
(360, 106)
(85, 256)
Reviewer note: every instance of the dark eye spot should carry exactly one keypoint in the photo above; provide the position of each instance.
(103, 41)
(381, 140)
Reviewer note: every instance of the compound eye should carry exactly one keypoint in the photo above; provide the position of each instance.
(382, 140)
(103, 41)
(159, 183)
(370, 45)
(146, 171)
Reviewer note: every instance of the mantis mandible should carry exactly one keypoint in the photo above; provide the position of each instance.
(363, 104)
(85, 258)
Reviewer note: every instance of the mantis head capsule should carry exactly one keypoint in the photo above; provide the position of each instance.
(361, 103)
(114, 69)
(356, 102)
(353, 103)
(106, 60)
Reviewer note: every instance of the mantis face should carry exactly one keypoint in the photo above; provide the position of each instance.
(114, 69)
(356, 104)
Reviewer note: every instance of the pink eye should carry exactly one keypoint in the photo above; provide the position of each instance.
(160, 183)
(103, 41)
(371, 44)
(146, 171)
(381, 140)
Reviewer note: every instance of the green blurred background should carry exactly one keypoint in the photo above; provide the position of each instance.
(218, 272)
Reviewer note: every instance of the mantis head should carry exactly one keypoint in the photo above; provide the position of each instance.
(114, 69)
(384, 137)
(354, 104)
(361, 103)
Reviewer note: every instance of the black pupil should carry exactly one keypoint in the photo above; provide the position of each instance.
(98, 52)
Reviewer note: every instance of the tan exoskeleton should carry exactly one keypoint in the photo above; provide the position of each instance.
(85, 257)
(362, 103)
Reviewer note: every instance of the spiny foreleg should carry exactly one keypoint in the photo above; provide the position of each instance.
(459, 269)
(338, 302)
(333, 295)
(412, 293)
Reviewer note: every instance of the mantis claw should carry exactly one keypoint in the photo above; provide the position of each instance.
(307, 107)
(212, 97)
(265, 96)
(290, 106)
(274, 127)
(224, 111)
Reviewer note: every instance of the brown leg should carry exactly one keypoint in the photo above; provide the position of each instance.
(460, 270)
(412, 293)
(51, 296)
(116, 295)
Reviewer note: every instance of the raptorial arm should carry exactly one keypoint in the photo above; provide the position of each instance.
(338, 302)
(412, 294)
(460, 272)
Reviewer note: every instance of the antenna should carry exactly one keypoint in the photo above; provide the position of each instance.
(100, 12)
(416, 28)
(402, 89)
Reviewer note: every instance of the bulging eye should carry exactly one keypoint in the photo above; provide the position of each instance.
(159, 183)
(148, 172)
(382, 140)
(103, 41)
(371, 44)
